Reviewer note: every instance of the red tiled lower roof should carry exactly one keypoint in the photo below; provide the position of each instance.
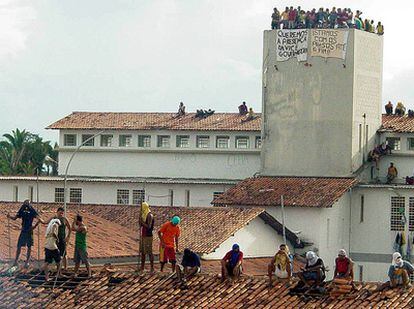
(128, 290)
(297, 191)
(105, 238)
(398, 124)
(157, 121)
(113, 229)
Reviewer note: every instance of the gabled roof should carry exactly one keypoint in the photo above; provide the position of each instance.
(398, 124)
(203, 228)
(297, 191)
(129, 290)
(113, 229)
(157, 121)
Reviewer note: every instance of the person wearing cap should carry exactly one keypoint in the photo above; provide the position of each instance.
(400, 271)
(27, 213)
(146, 222)
(343, 266)
(314, 271)
(231, 264)
(189, 267)
(169, 234)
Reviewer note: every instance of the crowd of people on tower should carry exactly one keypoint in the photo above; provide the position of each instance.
(298, 18)
(311, 276)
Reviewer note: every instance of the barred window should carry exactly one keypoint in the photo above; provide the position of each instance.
(90, 142)
(163, 141)
(411, 215)
(138, 197)
(394, 143)
(75, 195)
(59, 195)
(222, 142)
(242, 142)
(397, 213)
(183, 141)
(106, 140)
(203, 141)
(122, 197)
(69, 140)
(144, 141)
(125, 140)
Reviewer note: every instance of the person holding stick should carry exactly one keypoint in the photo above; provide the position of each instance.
(27, 213)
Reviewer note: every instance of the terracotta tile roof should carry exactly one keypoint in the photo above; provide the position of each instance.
(128, 290)
(400, 124)
(113, 229)
(297, 191)
(105, 238)
(203, 228)
(156, 121)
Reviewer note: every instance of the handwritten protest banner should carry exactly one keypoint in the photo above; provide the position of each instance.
(292, 43)
(328, 43)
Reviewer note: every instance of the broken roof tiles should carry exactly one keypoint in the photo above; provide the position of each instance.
(157, 121)
(297, 191)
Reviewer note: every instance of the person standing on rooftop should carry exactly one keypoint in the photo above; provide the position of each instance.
(146, 222)
(51, 249)
(275, 19)
(81, 253)
(169, 235)
(27, 213)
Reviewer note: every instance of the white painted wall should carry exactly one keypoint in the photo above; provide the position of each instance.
(373, 235)
(256, 239)
(192, 162)
(310, 113)
(106, 193)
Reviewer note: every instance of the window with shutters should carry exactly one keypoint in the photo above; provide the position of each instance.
(397, 213)
(69, 140)
(411, 214)
(88, 139)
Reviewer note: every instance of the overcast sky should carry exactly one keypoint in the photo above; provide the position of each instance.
(147, 55)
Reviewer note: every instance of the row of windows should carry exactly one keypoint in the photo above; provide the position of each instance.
(163, 141)
(395, 143)
(75, 195)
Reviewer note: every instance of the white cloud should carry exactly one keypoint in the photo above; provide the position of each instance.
(15, 21)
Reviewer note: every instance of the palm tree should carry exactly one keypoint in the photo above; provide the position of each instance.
(13, 149)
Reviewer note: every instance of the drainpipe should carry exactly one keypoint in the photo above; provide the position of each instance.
(350, 221)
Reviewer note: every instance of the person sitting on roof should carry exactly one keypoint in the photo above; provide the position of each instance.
(190, 266)
(400, 109)
(146, 222)
(181, 110)
(169, 234)
(250, 115)
(380, 28)
(410, 113)
(200, 114)
(243, 109)
(231, 264)
(388, 108)
(280, 265)
(314, 272)
(51, 249)
(400, 271)
(392, 173)
(343, 266)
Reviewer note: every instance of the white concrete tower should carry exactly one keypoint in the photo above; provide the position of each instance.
(320, 116)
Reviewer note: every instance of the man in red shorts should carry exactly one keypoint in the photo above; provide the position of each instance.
(169, 234)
